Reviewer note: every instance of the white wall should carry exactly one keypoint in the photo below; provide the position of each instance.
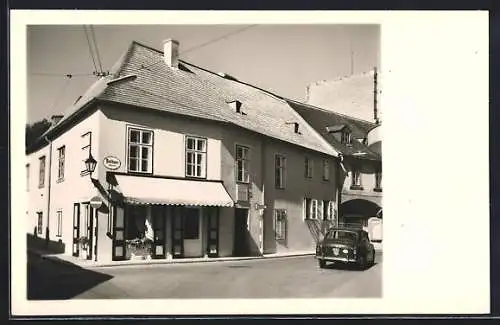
(72, 189)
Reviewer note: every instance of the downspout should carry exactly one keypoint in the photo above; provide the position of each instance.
(375, 95)
(263, 183)
(339, 185)
(47, 231)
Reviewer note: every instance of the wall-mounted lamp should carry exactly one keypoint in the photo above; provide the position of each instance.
(90, 164)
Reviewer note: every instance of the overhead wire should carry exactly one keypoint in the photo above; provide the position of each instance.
(90, 47)
(220, 38)
(96, 49)
(61, 93)
(197, 47)
(66, 75)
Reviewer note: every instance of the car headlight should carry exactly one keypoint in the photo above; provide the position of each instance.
(354, 251)
(345, 251)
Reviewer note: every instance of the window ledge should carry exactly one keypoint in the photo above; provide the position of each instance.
(377, 189)
(195, 177)
(84, 173)
(356, 187)
(279, 188)
(242, 183)
(41, 186)
(60, 180)
(132, 172)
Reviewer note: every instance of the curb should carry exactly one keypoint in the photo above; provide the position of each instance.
(52, 258)
(171, 261)
(176, 261)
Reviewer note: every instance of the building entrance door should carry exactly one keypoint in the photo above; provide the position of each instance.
(192, 233)
(240, 232)
(76, 229)
(158, 216)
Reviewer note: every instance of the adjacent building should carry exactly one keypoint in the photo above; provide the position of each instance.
(351, 119)
(188, 163)
(357, 95)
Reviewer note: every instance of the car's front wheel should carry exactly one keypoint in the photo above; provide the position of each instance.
(322, 264)
(361, 262)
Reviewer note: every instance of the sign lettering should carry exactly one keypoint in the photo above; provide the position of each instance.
(111, 162)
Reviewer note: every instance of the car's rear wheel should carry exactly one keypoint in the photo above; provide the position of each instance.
(321, 264)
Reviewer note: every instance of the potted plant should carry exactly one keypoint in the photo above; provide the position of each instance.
(84, 242)
(139, 248)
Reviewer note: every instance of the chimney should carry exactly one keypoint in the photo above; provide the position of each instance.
(171, 52)
(55, 119)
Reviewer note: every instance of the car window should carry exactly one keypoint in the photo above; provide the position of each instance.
(342, 235)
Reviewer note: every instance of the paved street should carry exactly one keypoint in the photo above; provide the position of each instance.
(292, 277)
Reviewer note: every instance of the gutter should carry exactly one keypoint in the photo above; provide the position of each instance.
(47, 231)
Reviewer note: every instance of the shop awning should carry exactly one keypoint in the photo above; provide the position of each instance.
(150, 190)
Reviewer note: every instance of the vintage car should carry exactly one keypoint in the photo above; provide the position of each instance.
(345, 245)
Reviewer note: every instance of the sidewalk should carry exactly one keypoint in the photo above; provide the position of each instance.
(71, 260)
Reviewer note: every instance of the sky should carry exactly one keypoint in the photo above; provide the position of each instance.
(280, 58)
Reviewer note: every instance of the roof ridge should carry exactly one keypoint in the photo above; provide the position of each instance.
(146, 46)
(117, 67)
(333, 112)
(237, 80)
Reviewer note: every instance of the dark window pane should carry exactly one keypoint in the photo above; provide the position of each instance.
(190, 143)
(146, 137)
(191, 223)
(198, 171)
(133, 164)
(145, 153)
(134, 136)
(201, 145)
(134, 151)
(199, 159)
(144, 165)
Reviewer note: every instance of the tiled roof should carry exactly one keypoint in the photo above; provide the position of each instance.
(320, 119)
(204, 94)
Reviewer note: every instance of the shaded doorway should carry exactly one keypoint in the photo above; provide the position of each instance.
(240, 232)
(192, 232)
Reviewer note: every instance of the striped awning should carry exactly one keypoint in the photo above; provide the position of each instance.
(151, 190)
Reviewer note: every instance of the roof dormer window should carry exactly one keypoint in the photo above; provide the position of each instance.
(295, 127)
(346, 137)
(236, 106)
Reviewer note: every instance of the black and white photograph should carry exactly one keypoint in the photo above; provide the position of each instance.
(236, 166)
(249, 147)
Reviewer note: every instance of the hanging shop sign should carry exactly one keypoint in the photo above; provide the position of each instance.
(111, 162)
(260, 206)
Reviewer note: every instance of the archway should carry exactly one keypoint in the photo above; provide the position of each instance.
(363, 213)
